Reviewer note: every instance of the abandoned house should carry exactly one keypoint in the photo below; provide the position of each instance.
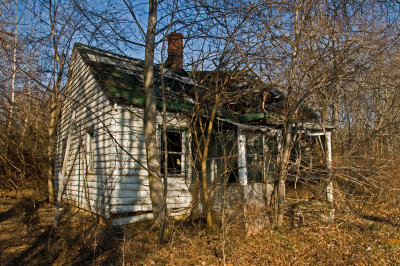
(101, 162)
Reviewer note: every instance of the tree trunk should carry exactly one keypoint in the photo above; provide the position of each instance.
(204, 157)
(51, 145)
(284, 163)
(202, 142)
(153, 158)
(163, 222)
(204, 188)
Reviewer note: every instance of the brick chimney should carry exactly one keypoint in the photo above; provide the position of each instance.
(175, 50)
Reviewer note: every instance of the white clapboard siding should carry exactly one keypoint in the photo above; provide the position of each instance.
(117, 209)
(146, 216)
(134, 179)
(142, 191)
(84, 96)
(125, 125)
(132, 146)
(132, 219)
(139, 200)
(118, 185)
(130, 182)
(118, 181)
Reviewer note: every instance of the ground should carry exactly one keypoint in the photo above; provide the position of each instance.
(358, 237)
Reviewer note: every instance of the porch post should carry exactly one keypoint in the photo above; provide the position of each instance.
(242, 158)
(329, 187)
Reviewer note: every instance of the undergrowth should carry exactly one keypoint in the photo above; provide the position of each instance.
(366, 236)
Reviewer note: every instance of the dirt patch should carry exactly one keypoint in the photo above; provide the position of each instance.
(27, 235)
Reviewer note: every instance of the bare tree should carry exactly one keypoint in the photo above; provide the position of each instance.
(133, 35)
(150, 113)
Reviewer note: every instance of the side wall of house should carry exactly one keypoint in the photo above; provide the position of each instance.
(106, 162)
(87, 168)
(130, 190)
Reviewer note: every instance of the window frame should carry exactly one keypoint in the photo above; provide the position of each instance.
(262, 155)
(89, 150)
(225, 167)
(183, 166)
(267, 154)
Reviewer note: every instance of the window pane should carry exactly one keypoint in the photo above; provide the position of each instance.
(174, 141)
(174, 163)
(254, 157)
(255, 168)
(222, 163)
(254, 144)
(271, 155)
(174, 152)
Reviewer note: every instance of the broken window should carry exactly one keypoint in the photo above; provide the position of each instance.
(174, 152)
(222, 163)
(255, 157)
(271, 158)
(261, 154)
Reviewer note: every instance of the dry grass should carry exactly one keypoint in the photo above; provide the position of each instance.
(349, 240)
(368, 235)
